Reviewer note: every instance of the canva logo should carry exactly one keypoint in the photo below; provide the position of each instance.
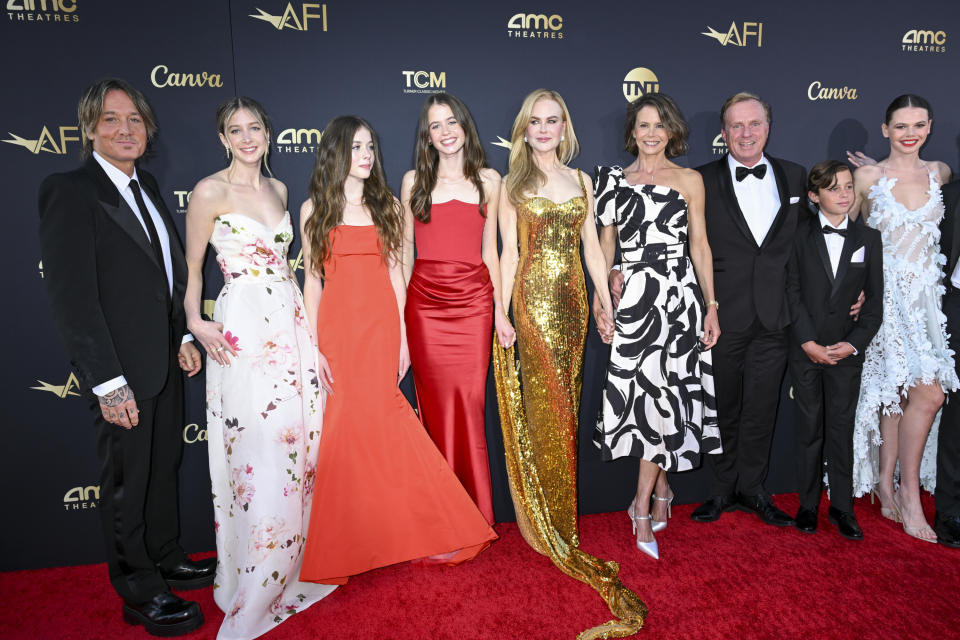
(816, 91)
(42, 11)
(161, 77)
(194, 433)
(741, 36)
(424, 81)
(81, 498)
(719, 146)
(68, 388)
(46, 141)
(924, 41)
(290, 18)
(296, 140)
(638, 82)
(535, 25)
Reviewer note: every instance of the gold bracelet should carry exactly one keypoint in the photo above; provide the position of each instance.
(714, 303)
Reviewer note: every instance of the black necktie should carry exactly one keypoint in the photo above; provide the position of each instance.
(828, 229)
(759, 171)
(151, 228)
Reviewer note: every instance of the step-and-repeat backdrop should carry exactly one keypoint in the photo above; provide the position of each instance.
(828, 68)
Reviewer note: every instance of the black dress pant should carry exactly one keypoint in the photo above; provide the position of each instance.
(825, 398)
(947, 495)
(139, 475)
(748, 370)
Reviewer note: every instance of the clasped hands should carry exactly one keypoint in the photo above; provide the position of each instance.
(829, 355)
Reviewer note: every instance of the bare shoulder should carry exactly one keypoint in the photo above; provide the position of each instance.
(943, 171)
(408, 178)
(690, 178)
(866, 175)
(490, 177)
(306, 210)
(210, 195)
(279, 187)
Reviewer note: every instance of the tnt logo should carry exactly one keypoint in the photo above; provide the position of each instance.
(638, 82)
(81, 498)
(424, 81)
(291, 19)
(738, 37)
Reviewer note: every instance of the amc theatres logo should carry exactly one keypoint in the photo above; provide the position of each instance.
(718, 146)
(290, 18)
(535, 25)
(42, 11)
(747, 33)
(295, 140)
(424, 81)
(924, 41)
(81, 498)
(46, 141)
(638, 82)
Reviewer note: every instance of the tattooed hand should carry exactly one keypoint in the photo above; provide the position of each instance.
(119, 407)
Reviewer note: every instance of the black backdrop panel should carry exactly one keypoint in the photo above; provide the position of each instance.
(828, 69)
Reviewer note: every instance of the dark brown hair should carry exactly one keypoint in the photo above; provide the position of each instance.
(823, 175)
(90, 108)
(670, 117)
(905, 101)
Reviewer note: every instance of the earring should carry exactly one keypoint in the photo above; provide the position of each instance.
(562, 137)
(226, 149)
(524, 138)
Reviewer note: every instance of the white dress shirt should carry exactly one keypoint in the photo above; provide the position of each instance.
(834, 241)
(955, 278)
(758, 198)
(122, 182)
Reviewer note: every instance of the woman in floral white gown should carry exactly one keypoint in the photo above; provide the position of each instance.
(264, 404)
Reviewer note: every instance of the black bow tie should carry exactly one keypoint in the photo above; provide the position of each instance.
(759, 171)
(827, 229)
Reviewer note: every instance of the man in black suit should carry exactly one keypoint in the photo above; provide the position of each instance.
(947, 495)
(116, 274)
(753, 202)
(833, 261)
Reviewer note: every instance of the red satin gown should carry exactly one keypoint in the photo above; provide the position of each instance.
(449, 317)
(383, 494)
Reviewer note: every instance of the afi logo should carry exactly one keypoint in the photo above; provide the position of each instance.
(638, 82)
(737, 37)
(506, 144)
(290, 19)
(425, 79)
(62, 390)
(296, 263)
(46, 141)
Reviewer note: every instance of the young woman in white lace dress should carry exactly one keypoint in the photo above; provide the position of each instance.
(908, 366)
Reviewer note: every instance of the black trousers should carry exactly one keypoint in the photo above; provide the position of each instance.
(139, 477)
(748, 371)
(825, 398)
(947, 495)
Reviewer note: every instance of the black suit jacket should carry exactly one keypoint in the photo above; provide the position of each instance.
(820, 303)
(749, 280)
(108, 292)
(950, 229)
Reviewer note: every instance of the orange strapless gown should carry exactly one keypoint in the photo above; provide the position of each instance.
(383, 494)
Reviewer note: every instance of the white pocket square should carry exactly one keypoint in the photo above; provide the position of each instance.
(794, 199)
(858, 255)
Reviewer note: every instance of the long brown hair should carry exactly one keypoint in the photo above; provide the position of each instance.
(427, 159)
(524, 177)
(326, 192)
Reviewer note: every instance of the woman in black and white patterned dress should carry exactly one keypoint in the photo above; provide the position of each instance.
(658, 403)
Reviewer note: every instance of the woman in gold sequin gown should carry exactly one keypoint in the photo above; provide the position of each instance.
(543, 218)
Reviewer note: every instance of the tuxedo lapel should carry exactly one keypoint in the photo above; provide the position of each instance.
(176, 250)
(733, 205)
(850, 244)
(781, 179)
(955, 241)
(818, 241)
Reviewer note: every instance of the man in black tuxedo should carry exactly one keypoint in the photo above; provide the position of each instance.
(833, 261)
(752, 206)
(116, 274)
(947, 495)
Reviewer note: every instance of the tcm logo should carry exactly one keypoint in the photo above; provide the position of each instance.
(291, 19)
(81, 498)
(535, 25)
(638, 82)
(161, 77)
(42, 10)
(424, 81)
(47, 141)
(816, 91)
(194, 433)
(738, 37)
(68, 388)
(719, 146)
(183, 199)
(298, 140)
(40, 267)
(924, 40)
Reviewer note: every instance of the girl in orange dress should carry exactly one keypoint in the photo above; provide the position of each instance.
(383, 494)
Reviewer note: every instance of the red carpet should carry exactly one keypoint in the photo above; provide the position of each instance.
(735, 578)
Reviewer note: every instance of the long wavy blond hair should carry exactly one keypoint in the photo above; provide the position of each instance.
(525, 178)
(326, 192)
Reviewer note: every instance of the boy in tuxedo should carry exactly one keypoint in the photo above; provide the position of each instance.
(833, 260)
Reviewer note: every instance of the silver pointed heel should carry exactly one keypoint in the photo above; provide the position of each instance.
(658, 525)
(649, 548)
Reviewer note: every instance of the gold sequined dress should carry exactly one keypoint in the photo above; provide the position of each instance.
(540, 421)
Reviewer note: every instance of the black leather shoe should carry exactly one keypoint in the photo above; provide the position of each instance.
(763, 508)
(947, 529)
(164, 615)
(846, 523)
(807, 520)
(190, 574)
(711, 510)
